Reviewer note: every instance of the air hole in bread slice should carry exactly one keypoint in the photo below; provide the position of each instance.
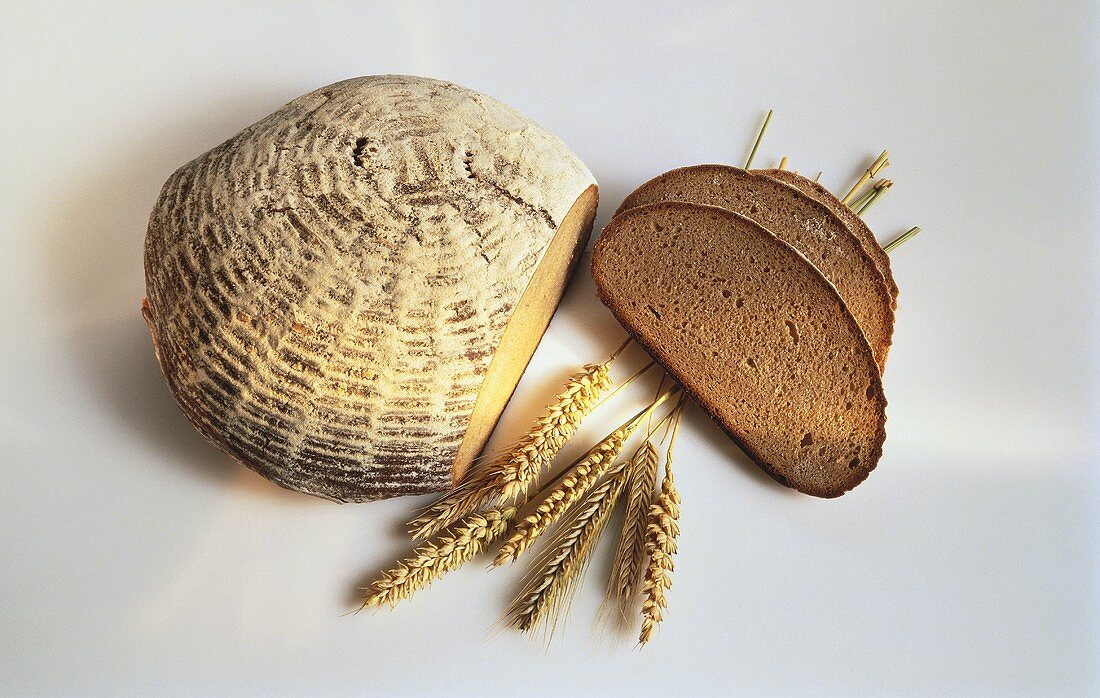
(792, 330)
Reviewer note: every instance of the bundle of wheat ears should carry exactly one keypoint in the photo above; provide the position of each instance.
(504, 499)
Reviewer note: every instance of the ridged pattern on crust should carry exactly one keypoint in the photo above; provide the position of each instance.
(796, 219)
(327, 288)
(754, 333)
(859, 228)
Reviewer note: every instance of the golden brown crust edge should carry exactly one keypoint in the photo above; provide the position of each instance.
(660, 356)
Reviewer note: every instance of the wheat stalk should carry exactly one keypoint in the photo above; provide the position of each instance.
(864, 203)
(432, 560)
(631, 553)
(900, 240)
(662, 529)
(759, 137)
(551, 584)
(880, 162)
(509, 475)
(571, 486)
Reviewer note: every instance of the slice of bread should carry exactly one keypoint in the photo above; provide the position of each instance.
(754, 333)
(799, 221)
(855, 224)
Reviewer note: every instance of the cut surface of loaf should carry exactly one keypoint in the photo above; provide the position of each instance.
(344, 295)
(754, 333)
(859, 228)
(796, 219)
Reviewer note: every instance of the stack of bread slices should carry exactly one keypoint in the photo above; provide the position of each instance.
(772, 304)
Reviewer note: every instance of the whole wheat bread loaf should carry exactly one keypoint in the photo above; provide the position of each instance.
(754, 333)
(799, 221)
(859, 228)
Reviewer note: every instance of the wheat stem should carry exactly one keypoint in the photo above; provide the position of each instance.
(551, 583)
(759, 137)
(622, 347)
(649, 419)
(876, 192)
(901, 239)
(634, 376)
(883, 160)
(571, 485)
(435, 558)
(861, 200)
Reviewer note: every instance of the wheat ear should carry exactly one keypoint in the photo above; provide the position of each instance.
(509, 475)
(435, 558)
(457, 502)
(535, 451)
(551, 583)
(631, 554)
(571, 486)
(641, 489)
(662, 529)
(516, 475)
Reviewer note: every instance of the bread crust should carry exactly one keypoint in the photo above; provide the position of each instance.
(661, 354)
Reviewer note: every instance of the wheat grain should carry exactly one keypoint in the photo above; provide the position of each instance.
(631, 554)
(509, 475)
(551, 583)
(432, 560)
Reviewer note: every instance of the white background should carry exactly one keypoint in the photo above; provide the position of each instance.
(135, 558)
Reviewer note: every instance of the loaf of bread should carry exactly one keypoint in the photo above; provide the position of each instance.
(853, 222)
(754, 333)
(798, 220)
(344, 295)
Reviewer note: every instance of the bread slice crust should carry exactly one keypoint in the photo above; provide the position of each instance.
(859, 228)
(798, 220)
(734, 377)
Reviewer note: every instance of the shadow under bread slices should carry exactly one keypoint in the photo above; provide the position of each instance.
(861, 230)
(754, 333)
(798, 220)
